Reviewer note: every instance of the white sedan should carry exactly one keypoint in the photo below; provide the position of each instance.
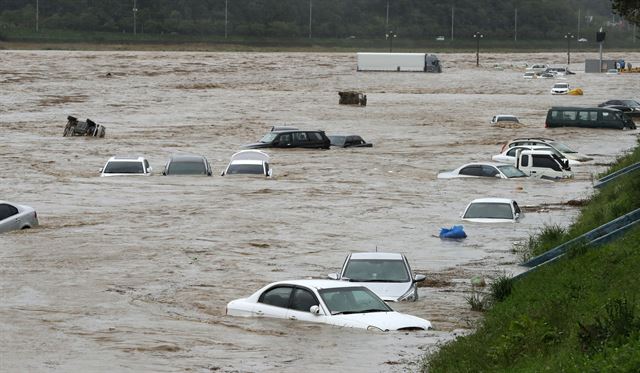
(15, 217)
(560, 89)
(492, 210)
(325, 301)
(501, 171)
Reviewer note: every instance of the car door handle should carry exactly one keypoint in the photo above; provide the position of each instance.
(292, 318)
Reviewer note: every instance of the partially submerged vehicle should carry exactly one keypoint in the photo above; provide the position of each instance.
(187, 164)
(543, 163)
(352, 98)
(588, 117)
(560, 89)
(530, 75)
(559, 71)
(389, 275)
(126, 166)
(423, 62)
(563, 150)
(74, 127)
(293, 139)
(492, 210)
(494, 170)
(629, 107)
(248, 162)
(537, 68)
(349, 141)
(504, 118)
(338, 303)
(16, 217)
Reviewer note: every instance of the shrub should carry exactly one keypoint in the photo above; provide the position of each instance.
(501, 288)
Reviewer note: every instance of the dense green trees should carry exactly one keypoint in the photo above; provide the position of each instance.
(331, 18)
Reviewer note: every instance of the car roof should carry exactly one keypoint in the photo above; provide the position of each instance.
(494, 164)
(117, 158)
(492, 200)
(376, 255)
(530, 139)
(582, 108)
(252, 154)
(186, 157)
(247, 161)
(318, 284)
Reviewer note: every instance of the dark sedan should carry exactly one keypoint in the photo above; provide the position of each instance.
(293, 139)
(348, 141)
(629, 107)
(186, 164)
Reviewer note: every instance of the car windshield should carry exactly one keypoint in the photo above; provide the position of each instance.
(630, 103)
(187, 168)
(510, 171)
(256, 169)
(124, 167)
(376, 270)
(489, 210)
(337, 140)
(560, 85)
(507, 118)
(348, 300)
(269, 137)
(562, 148)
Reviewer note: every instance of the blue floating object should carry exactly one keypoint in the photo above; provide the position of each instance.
(457, 231)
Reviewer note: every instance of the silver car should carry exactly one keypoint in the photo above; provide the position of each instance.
(386, 274)
(14, 217)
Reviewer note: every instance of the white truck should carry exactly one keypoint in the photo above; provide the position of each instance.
(422, 62)
(544, 164)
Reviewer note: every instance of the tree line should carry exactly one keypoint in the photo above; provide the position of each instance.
(416, 19)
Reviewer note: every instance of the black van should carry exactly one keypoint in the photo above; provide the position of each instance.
(594, 117)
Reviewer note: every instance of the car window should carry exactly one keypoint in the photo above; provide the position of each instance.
(337, 140)
(543, 160)
(489, 171)
(254, 169)
(7, 211)
(489, 210)
(554, 114)
(277, 297)
(378, 270)
(512, 152)
(510, 171)
(524, 161)
(124, 167)
(352, 300)
(187, 168)
(583, 115)
(471, 171)
(315, 136)
(284, 139)
(303, 300)
(269, 137)
(146, 164)
(606, 115)
(569, 115)
(300, 137)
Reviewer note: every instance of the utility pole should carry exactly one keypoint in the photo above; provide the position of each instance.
(568, 36)
(478, 35)
(452, 20)
(515, 25)
(37, 15)
(386, 23)
(390, 36)
(226, 19)
(310, 13)
(579, 19)
(135, 11)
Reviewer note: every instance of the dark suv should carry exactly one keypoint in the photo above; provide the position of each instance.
(293, 139)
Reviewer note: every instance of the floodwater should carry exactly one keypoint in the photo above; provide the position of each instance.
(133, 274)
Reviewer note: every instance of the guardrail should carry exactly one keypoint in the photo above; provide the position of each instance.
(605, 180)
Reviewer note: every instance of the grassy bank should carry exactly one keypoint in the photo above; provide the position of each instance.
(65, 39)
(580, 314)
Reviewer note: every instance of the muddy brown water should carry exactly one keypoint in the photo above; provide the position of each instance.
(133, 273)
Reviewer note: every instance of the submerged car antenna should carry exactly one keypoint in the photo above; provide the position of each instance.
(376, 248)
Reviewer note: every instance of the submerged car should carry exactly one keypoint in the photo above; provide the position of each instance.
(349, 141)
(293, 139)
(186, 164)
(560, 89)
(530, 75)
(338, 303)
(15, 217)
(492, 210)
(504, 118)
(630, 107)
(537, 68)
(562, 149)
(126, 166)
(248, 162)
(613, 72)
(386, 274)
(501, 171)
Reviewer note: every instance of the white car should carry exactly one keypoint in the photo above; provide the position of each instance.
(15, 217)
(386, 274)
(492, 210)
(126, 166)
(613, 72)
(560, 89)
(338, 303)
(253, 162)
(530, 75)
(501, 171)
(504, 118)
(509, 154)
(562, 149)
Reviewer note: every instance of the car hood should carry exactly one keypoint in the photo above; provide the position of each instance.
(487, 220)
(577, 157)
(256, 145)
(385, 321)
(388, 291)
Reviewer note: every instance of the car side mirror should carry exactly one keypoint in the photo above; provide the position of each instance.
(419, 278)
(269, 173)
(222, 173)
(164, 173)
(497, 175)
(517, 215)
(315, 310)
(150, 169)
(333, 276)
(101, 169)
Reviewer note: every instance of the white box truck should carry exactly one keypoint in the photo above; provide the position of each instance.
(422, 62)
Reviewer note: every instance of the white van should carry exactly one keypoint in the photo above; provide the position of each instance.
(545, 164)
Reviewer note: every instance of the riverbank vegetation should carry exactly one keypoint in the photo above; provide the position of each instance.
(579, 314)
